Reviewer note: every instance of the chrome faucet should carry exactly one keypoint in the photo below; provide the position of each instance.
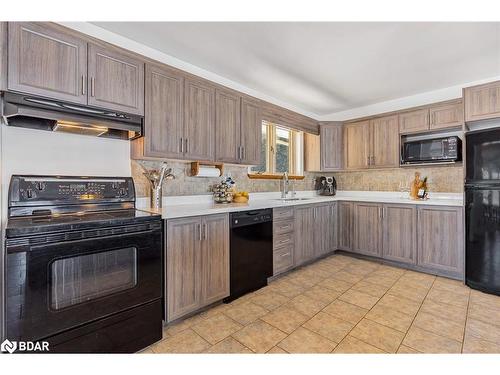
(284, 191)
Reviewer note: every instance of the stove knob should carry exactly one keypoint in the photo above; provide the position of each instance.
(29, 194)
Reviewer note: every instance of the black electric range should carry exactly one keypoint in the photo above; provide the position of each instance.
(83, 266)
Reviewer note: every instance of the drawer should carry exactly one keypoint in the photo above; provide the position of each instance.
(282, 259)
(283, 226)
(282, 213)
(281, 240)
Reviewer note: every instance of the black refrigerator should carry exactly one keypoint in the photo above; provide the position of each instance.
(482, 211)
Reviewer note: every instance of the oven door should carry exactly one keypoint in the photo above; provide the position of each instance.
(52, 287)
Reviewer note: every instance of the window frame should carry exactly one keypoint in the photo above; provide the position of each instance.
(295, 159)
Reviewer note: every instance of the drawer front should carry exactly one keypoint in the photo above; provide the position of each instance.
(282, 259)
(281, 240)
(283, 226)
(282, 213)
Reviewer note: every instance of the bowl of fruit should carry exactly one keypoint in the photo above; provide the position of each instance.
(240, 197)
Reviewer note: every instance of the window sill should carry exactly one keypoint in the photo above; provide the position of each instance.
(264, 176)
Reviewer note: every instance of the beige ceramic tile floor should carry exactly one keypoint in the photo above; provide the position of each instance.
(345, 305)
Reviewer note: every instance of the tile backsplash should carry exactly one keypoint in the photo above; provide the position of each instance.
(440, 179)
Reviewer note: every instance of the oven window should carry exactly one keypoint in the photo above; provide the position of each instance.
(86, 277)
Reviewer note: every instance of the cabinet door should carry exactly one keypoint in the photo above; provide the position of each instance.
(183, 261)
(356, 143)
(331, 147)
(227, 126)
(440, 239)
(385, 142)
(400, 233)
(215, 258)
(345, 232)
(414, 121)
(449, 115)
(116, 80)
(251, 132)
(199, 120)
(482, 102)
(323, 229)
(44, 61)
(312, 151)
(304, 234)
(367, 228)
(163, 124)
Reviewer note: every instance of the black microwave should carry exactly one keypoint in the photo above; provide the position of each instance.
(435, 150)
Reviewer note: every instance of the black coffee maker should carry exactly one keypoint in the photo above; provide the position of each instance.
(326, 185)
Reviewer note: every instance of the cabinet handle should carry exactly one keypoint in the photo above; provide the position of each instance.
(92, 86)
(384, 212)
(368, 160)
(285, 255)
(380, 214)
(285, 226)
(186, 145)
(181, 147)
(83, 84)
(242, 153)
(199, 232)
(239, 152)
(205, 233)
(284, 241)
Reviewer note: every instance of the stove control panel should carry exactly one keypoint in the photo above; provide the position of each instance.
(69, 190)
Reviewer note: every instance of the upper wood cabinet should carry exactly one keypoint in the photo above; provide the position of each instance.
(440, 239)
(384, 142)
(228, 126)
(414, 121)
(399, 233)
(324, 152)
(357, 145)
(251, 131)
(199, 120)
(367, 228)
(447, 115)
(44, 61)
(197, 263)
(116, 79)
(163, 117)
(482, 102)
(238, 128)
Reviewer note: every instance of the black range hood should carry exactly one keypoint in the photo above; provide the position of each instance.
(29, 111)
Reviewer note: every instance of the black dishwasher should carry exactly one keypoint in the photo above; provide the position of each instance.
(251, 256)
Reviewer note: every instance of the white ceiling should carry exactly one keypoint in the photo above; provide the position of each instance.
(325, 68)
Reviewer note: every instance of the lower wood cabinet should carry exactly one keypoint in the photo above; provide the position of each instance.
(344, 227)
(323, 228)
(304, 234)
(399, 240)
(367, 229)
(197, 263)
(440, 239)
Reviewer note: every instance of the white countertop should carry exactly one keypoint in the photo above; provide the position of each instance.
(196, 205)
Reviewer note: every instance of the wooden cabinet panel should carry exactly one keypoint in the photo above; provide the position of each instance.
(414, 121)
(323, 229)
(282, 259)
(44, 61)
(400, 233)
(215, 258)
(331, 147)
(227, 126)
(345, 225)
(304, 234)
(251, 132)
(447, 115)
(440, 239)
(482, 101)
(312, 153)
(199, 120)
(183, 263)
(356, 143)
(367, 225)
(163, 122)
(385, 142)
(116, 80)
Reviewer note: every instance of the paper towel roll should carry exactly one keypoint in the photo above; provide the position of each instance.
(208, 171)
